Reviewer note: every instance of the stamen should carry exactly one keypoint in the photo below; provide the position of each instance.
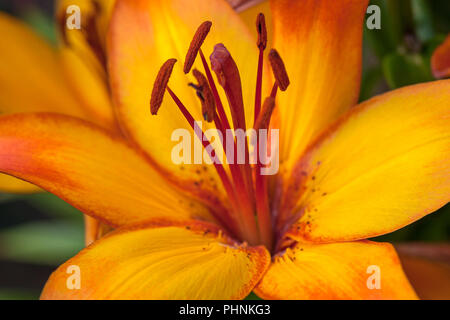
(262, 42)
(279, 70)
(274, 91)
(262, 31)
(160, 85)
(206, 96)
(263, 120)
(196, 43)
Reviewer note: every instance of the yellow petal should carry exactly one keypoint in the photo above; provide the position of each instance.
(440, 61)
(168, 262)
(10, 184)
(30, 73)
(383, 166)
(320, 42)
(352, 270)
(84, 58)
(427, 267)
(89, 168)
(143, 35)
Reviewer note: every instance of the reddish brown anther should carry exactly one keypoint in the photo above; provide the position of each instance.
(262, 31)
(205, 95)
(196, 43)
(160, 85)
(279, 70)
(264, 116)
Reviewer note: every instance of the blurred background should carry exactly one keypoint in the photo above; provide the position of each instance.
(38, 232)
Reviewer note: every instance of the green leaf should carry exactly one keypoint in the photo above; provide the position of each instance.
(432, 44)
(46, 243)
(41, 23)
(6, 197)
(372, 77)
(402, 69)
(51, 204)
(441, 12)
(18, 294)
(386, 39)
(423, 19)
(252, 296)
(433, 227)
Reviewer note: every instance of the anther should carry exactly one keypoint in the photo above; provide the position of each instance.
(196, 43)
(264, 116)
(206, 96)
(160, 85)
(279, 70)
(262, 31)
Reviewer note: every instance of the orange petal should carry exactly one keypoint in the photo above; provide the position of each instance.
(94, 171)
(440, 61)
(320, 42)
(348, 270)
(427, 267)
(143, 35)
(191, 261)
(383, 166)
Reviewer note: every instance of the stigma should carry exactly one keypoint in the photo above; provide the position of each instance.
(249, 218)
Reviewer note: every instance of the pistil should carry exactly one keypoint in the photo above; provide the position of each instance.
(228, 76)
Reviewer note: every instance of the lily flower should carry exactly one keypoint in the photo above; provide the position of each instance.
(347, 172)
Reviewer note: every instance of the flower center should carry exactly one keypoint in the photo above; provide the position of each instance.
(250, 218)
